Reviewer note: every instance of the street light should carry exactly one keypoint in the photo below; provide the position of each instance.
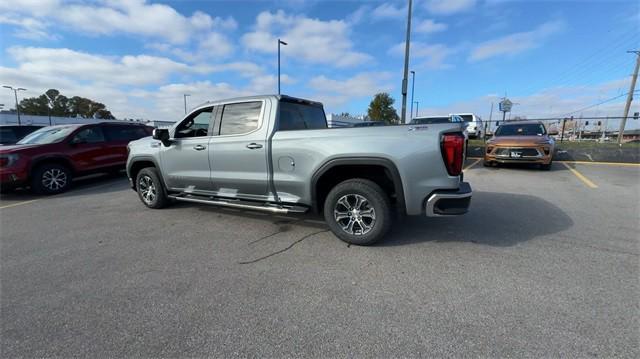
(403, 116)
(185, 102)
(413, 85)
(416, 102)
(280, 42)
(15, 93)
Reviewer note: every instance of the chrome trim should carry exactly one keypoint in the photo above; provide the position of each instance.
(509, 149)
(434, 198)
(261, 207)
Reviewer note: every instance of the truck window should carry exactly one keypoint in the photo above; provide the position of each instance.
(299, 116)
(196, 125)
(239, 118)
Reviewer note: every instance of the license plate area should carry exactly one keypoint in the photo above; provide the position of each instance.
(515, 154)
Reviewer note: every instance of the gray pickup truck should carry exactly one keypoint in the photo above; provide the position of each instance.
(275, 153)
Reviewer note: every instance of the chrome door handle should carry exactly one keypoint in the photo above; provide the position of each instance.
(199, 147)
(253, 146)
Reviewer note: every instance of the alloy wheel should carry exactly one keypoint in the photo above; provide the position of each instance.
(354, 214)
(147, 189)
(54, 179)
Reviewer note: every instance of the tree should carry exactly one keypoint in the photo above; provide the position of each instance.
(381, 108)
(56, 104)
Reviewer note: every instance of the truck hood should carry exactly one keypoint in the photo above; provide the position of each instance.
(518, 140)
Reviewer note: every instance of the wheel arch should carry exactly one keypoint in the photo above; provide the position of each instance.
(380, 170)
(61, 160)
(136, 164)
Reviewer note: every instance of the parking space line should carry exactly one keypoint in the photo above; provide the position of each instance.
(603, 163)
(580, 176)
(18, 204)
(473, 164)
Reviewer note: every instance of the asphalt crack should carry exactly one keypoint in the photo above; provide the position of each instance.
(284, 249)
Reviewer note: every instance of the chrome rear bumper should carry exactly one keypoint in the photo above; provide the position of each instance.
(449, 203)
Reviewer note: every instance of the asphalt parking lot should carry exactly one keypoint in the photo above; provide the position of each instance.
(545, 264)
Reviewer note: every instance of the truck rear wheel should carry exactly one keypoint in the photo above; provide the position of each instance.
(358, 211)
(150, 188)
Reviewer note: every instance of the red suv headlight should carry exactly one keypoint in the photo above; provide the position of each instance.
(8, 160)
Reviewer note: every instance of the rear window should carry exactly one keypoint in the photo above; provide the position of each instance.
(300, 116)
(124, 133)
(239, 118)
(467, 118)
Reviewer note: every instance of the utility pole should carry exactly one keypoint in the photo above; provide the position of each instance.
(185, 102)
(417, 103)
(488, 123)
(403, 116)
(413, 85)
(15, 93)
(629, 96)
(280, 42)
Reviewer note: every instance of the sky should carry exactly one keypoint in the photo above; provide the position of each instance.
(551, 58)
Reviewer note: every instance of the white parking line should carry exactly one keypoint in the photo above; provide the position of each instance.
(18, 204)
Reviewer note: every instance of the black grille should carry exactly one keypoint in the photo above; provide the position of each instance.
(522, 152)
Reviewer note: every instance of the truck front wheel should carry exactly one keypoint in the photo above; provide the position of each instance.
(150, 188)
(358, 211)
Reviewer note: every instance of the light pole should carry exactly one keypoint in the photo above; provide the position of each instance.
(413, 85)
(417, 103)
(15, 93)
(403, 118)
(280, 42)
(185, 102)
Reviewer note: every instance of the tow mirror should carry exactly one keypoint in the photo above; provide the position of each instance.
(162, 135)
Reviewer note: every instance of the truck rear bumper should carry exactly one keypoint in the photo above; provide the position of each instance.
(449, 203)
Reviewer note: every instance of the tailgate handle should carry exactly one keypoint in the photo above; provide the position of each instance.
(199, 147)
(254, 146)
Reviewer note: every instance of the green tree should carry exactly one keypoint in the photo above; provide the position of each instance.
(381, 108)
(59, 105)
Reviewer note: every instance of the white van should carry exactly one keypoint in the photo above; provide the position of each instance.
(475, 126)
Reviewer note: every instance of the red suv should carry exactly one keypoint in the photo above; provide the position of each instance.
(50, 157)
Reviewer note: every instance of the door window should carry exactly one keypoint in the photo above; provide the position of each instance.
(89, 135)
(124, 133)
(196, 125)
(239, 118)
(296, 116)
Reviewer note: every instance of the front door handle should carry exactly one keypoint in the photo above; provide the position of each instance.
(253, 146)
(199, 147)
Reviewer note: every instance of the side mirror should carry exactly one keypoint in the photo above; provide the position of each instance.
(162, 135)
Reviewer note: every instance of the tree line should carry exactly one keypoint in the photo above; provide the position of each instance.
(53, 103)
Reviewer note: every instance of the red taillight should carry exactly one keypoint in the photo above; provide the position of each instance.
(452, 147)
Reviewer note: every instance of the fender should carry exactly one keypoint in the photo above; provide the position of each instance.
(141, 158)
(35, 162)
(342, 161)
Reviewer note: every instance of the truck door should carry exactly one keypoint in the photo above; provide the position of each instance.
(238, 155)
(185, 163)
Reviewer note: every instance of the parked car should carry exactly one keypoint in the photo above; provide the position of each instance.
(521, 142)
(475, 125)
(429, 120)
(48, 159)
(10, 134)
(276, 154)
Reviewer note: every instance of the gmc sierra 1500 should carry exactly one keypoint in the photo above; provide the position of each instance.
(275, 153)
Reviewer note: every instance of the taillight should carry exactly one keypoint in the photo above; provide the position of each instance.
(452, 147)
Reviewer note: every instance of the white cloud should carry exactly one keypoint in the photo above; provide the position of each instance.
(309, 40)
(389, 11)
(429, 26)
(337, 92)
(29, 27)
(515, 43)
(130, 17)
(427, 56)
(448, 7)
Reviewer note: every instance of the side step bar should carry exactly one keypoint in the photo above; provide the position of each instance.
(266, 207)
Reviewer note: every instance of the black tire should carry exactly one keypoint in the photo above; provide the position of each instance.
(364, 196)
(546, 167)
(150, 188)
(486, 163)
(51, 178)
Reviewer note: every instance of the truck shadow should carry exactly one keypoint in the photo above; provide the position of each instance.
(495, 219)
(524, 167)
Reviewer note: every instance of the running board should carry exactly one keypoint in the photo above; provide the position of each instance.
(266, 207)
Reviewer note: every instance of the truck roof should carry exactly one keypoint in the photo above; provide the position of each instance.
(262, 97)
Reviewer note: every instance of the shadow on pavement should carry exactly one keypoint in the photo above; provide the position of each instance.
(102, 183)
(525, 167)
(495, 219)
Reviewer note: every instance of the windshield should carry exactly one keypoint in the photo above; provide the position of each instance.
(430, 120)
(47, 135)
(467, 118)
(533, 129)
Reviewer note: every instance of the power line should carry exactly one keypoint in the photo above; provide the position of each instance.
(597, 104)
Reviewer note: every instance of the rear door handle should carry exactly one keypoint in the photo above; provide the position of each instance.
(199, 147)
(253, 146)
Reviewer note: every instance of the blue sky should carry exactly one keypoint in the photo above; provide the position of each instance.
(139, 57)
